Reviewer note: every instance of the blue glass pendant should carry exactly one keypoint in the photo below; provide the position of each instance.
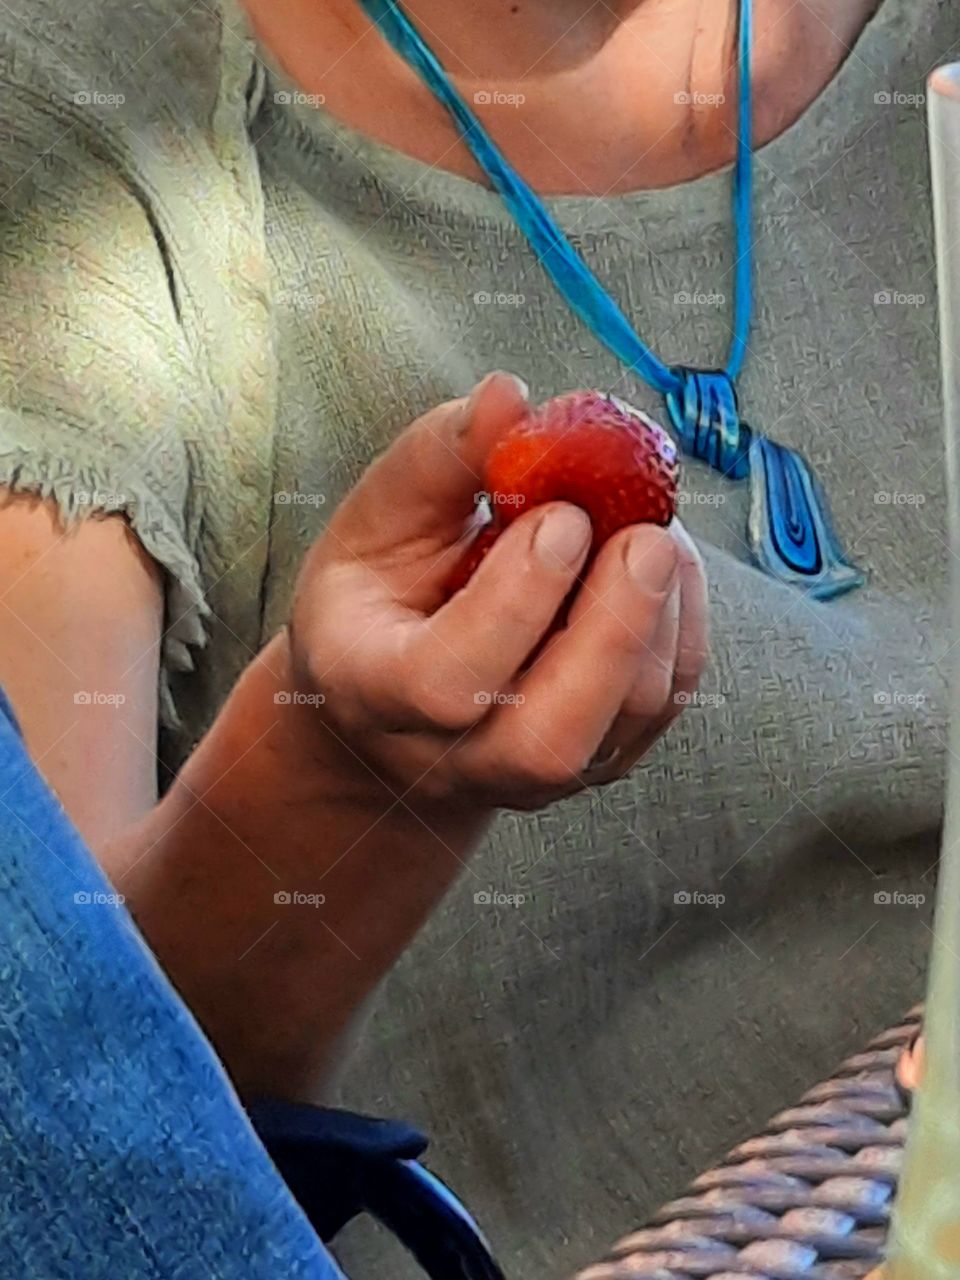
(789, 528)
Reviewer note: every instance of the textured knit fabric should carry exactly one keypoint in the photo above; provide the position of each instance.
(218, 306)
(125, 1150)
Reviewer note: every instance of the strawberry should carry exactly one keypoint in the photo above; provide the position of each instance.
(472, 558)
(585, 448)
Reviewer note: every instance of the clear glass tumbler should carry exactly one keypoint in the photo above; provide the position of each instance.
(925, 1242)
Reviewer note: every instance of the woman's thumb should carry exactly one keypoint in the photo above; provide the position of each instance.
(425, 484)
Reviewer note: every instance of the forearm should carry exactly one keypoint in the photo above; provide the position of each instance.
(279, 880)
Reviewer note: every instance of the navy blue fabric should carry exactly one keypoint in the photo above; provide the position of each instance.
(338, 1131)
(326, 1156)
(124, 1152)
(339, 1164)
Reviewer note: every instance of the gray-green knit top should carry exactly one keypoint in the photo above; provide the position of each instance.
(217, 305)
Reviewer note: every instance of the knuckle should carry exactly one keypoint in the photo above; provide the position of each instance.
(433, 785)
(652, 692)
(551, 769)
(528, 597)
(628, 624)
(352, 691)
(654, 601)
(419, 683)
(444, 706)
(687, 549)
(691, 662)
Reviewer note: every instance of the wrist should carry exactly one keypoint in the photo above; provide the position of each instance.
(285, 745)
(276, 731)
(270, 820)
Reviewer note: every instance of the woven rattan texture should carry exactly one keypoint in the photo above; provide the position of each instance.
(809, 1199)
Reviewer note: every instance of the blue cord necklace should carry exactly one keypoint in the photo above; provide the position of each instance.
(789, 529)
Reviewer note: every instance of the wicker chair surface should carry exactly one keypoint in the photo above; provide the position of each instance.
(809, 1199)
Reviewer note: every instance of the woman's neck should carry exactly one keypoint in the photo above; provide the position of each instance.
(519, 39)
(583, 97)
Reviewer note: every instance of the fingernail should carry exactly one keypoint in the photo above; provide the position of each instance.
(523, 388)
(652, 558)
(562, 537)
(476, 394)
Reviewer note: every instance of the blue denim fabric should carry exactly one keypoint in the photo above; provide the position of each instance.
(124, 1152)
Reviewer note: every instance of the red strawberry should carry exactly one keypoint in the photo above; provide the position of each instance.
(588, 449)
(472, 558)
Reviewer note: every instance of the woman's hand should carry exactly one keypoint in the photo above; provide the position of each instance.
(438, 698)
(289, 863)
